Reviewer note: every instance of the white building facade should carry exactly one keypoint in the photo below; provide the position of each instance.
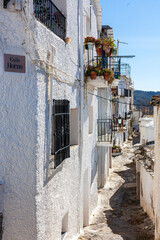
(49, 182)
(146, 126)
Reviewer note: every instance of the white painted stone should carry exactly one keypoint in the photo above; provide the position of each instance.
(36, 197)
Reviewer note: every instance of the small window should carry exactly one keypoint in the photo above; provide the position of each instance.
(60, 131)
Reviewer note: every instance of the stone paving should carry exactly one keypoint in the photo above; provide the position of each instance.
(119, 215)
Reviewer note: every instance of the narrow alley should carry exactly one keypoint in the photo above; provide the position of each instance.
(119, 215)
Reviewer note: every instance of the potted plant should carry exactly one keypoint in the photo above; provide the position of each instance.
(92, 71)
(98, 45)
(108, 75)
(114, 148)
(89, 42)
(111, 77)
(109, 46)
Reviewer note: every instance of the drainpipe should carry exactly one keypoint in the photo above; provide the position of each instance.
(81, 83)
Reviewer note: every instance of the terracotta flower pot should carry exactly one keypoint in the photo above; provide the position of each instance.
(93, 75)
(99, 51)
(105, 45)
(106, 76)
(108, 52)
(97, 45)
(107, 49)
(110, 81)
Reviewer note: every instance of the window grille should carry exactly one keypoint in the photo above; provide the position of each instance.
(104, 130)
(60, 131)
(47, 13)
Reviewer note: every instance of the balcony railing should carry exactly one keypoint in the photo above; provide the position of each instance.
(122, 69)
(47, 13)
(104, 130)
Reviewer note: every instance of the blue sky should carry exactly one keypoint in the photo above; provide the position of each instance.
(137, 22)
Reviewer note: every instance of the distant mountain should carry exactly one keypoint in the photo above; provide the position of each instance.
(142, 99)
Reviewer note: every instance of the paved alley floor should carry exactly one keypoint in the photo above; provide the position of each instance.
(119, 215)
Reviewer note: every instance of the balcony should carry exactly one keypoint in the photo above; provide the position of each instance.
(48, 14)
(104, 127)
(99, 82)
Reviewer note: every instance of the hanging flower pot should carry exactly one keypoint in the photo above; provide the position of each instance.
(105, 46)
(107, 49)
(90, 45)
(108, 52)
(93, 75)
(108, 46)
(98, 43)
(99, 52)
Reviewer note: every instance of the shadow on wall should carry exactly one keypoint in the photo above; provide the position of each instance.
(127, 217)
(1, 222)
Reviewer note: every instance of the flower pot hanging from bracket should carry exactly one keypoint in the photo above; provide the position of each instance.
(90, 45)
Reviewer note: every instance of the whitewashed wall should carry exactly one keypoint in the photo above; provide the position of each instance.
(146, 130)
(157, 171)
(19, 94)
(36, 197)
(146, 190)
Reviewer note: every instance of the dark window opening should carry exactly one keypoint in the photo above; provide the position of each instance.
(60, 131)
(5, 2)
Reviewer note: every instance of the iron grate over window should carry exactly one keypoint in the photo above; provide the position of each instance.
(104, 130)
(60, 131)
(47, 13)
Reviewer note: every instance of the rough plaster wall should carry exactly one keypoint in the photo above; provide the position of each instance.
(45, 200)
(146, 191)
(89, 143)
(59, 192)
(157, 171)
(89, 148)
(18, 134)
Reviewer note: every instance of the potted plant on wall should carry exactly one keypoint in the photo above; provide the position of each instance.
(98, 45)
(108, 75)
(92, 71)
(89, 43)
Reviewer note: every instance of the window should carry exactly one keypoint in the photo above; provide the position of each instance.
(47, 13)
(126, 92)
(60, 131)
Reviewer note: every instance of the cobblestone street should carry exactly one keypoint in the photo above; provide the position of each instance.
(119, 215)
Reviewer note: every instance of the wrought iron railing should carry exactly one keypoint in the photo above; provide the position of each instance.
(119, 69)
(47, 13)
(60, 131)
(104, 127)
